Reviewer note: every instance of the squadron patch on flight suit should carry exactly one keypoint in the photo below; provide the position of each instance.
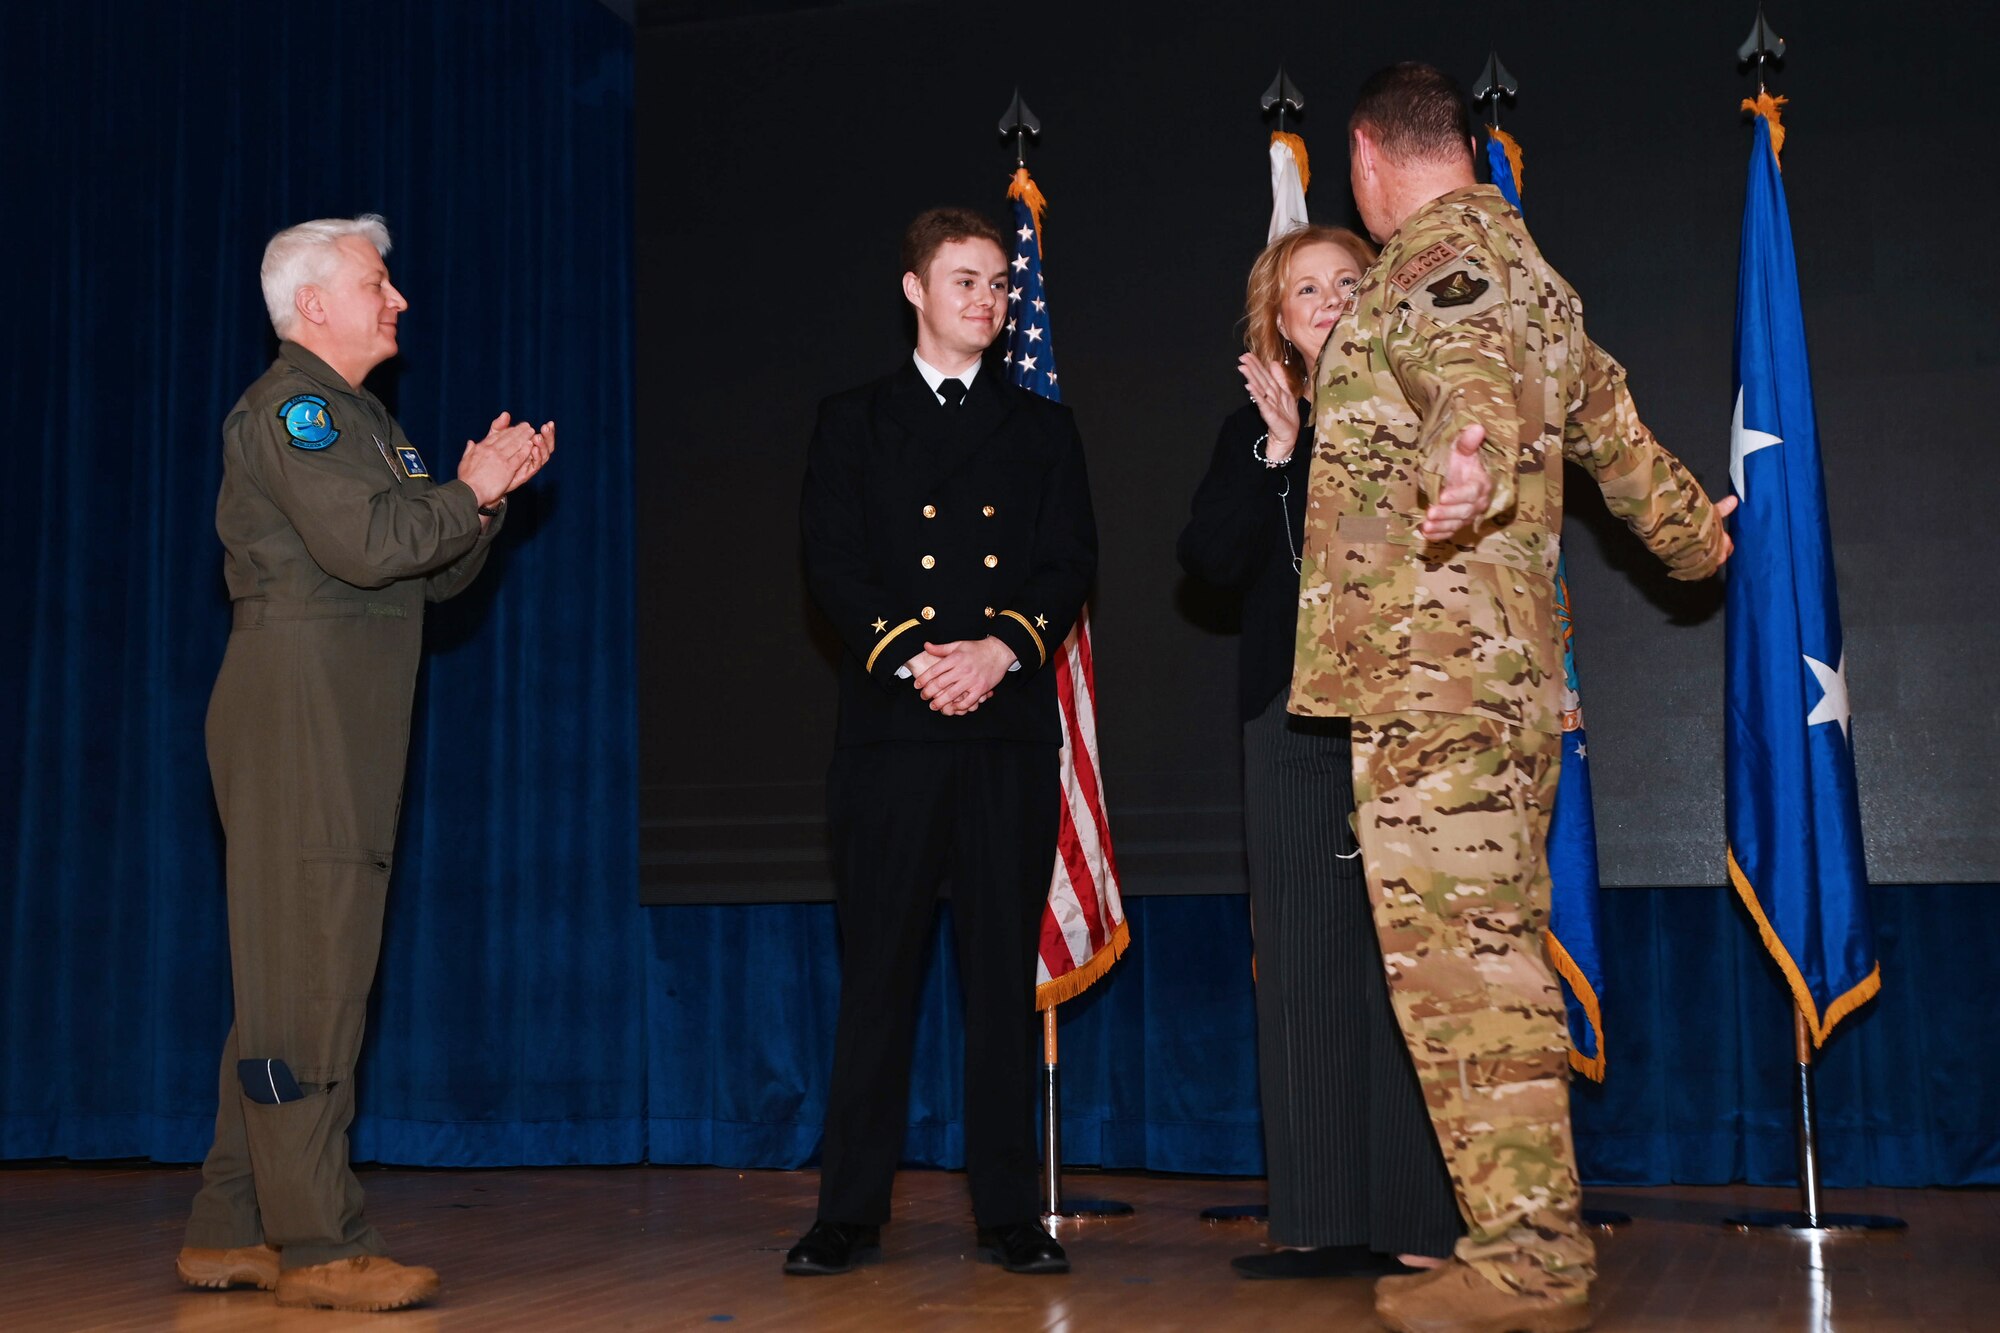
(308, 421)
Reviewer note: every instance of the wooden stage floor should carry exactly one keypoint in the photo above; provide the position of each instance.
(657, 1248)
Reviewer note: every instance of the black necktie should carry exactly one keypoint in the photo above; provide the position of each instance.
(953, 392)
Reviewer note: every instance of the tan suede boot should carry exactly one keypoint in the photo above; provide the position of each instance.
(245, 1266)
(1459, 1300)
(364, 1282)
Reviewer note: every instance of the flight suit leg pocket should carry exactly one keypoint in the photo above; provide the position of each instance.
(340, 939)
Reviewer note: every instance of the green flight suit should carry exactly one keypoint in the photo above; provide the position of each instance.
(334, 538)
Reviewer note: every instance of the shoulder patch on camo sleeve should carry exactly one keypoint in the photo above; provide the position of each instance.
(1463, 290)
(1424, 261)
(308, 421)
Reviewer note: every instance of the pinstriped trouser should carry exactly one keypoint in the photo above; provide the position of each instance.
(1350, 1153)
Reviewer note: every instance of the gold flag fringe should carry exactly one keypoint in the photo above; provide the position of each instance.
(1512, 147)
(1767, 106)
(1821, 1027)
(1078, 979)
(1298, 147)
(1591, 1067)
(1023, 187)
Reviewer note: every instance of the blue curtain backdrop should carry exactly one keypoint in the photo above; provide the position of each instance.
(528, 1011)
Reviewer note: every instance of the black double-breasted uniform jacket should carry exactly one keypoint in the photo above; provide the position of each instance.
(929, 523)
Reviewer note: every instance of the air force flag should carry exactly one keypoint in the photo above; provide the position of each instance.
(1574, 918)
(1794, 822)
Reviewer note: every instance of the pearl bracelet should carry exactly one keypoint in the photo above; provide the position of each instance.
(1257, 452)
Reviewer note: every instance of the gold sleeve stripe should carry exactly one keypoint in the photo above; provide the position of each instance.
(1040, 647)
(883, 642)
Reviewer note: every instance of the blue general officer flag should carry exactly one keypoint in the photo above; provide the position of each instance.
(1794, 821)
(1573, 905)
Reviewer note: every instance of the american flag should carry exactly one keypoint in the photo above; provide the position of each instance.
(1083, 926)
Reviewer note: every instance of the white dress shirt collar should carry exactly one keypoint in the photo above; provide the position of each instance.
(934, 377)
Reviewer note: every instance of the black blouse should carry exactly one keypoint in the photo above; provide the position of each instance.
(1248, 521)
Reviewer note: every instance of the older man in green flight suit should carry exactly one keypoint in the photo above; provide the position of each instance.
(1446, 403)
(335, 535)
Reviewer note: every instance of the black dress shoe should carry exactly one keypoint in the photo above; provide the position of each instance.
(1023, 1247)
(833, 1247)
(1321, 1261)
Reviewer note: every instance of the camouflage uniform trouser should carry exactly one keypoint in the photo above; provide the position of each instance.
(1453, 816)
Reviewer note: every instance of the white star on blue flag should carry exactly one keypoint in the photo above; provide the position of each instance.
(1031, 353)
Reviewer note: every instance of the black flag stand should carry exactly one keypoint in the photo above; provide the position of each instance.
(1496, 83)
(1809, 1222)
(1017, 126)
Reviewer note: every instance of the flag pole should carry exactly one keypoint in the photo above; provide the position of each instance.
(1018, 125)
(1054, 1205)
(1496, 84)
(1051, 1119)
(1810, 1221)
(1281, 97)
(1808, 1120)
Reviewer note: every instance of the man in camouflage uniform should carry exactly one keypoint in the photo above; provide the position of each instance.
(1445, 404)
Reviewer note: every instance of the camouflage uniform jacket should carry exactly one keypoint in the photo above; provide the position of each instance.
(1462, 321)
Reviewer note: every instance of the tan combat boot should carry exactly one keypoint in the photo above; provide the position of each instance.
(364, 1282)
(1459, 1300)
(1404, 1281)
(245, 1266)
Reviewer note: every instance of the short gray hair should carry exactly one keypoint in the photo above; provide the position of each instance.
(303, 256)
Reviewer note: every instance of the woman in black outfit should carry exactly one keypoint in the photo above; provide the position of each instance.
(1357, 1184)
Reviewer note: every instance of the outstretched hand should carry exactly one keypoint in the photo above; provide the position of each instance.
(1468, 486)
(1723, 509)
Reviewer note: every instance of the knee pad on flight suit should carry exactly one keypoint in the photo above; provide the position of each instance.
(268, 1082)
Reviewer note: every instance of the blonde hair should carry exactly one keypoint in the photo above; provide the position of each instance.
(1265, 293)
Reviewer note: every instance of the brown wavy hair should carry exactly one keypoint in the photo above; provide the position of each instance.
(1265, 292)
(935, 228)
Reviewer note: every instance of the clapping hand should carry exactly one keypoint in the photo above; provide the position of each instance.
(541, 448)
(505, 459)
(1271, 390)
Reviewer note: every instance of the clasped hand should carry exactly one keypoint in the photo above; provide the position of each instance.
(502, 463)
(957, 677)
